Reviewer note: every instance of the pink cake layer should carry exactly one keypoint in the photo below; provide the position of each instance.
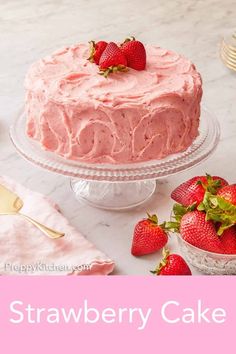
(128, 117)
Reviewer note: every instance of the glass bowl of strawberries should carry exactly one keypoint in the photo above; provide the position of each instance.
(204, 219)
(208, 262)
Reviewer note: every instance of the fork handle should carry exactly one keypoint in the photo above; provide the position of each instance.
(46, 230)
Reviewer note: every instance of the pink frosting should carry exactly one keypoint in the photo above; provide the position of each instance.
(129, 117)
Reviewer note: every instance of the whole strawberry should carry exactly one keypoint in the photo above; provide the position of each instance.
(193, 190)
(148, 237)
(96, 50)
(228, 193)
(199, 232)
(135, 54)
(112, 60)
(172, 264)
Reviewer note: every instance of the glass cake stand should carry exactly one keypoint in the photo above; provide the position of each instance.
(118, 187)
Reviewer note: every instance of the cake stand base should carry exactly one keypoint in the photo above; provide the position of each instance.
(113, 196)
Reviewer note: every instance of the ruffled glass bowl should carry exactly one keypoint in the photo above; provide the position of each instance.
(208, 262)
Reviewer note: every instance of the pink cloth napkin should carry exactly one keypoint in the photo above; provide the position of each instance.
(26, 250)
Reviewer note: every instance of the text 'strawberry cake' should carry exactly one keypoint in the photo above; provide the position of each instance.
(128, 117)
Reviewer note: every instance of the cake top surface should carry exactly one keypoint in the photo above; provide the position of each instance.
(68, 76)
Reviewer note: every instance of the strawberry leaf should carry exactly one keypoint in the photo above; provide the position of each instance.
(163, 263)
(112, 69)
(205, 204)
(201, 207)
(91, 51)
(223, 227)
(153, 218)
(212, 184)
(209, 178)
(219, 211)
(172, 226)
(179, 210)
(129, 39)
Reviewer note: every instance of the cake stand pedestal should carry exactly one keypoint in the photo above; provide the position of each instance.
(113, 196)
(118, 187)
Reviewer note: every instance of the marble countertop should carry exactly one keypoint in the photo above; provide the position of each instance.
(32, 29)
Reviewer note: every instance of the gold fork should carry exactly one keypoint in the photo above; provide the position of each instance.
(11, 204)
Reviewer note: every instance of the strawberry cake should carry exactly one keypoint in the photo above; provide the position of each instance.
(147, 108)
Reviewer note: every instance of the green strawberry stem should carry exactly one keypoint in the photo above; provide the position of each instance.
(129, 39)
(112, 69)
(166, 226)
(153, 218)
(92, 51)
(212, 185)
(172, 226)
(163, 263)
(218, 210)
